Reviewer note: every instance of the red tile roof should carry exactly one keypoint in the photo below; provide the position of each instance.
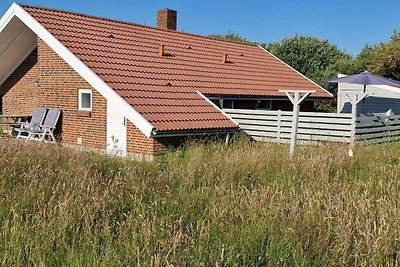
(163, 88)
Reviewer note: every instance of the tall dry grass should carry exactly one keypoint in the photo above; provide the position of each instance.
(245, 204)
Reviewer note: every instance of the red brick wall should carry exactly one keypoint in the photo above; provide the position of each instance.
(59, 85)
(19, 90)
(137, 142)
(167, 19)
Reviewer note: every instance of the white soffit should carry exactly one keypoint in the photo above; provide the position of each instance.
(17, 42)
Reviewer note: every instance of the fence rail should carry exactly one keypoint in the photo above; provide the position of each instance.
(378, 129)
(276, 126)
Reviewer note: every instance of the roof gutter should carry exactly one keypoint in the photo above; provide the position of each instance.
(203, 132)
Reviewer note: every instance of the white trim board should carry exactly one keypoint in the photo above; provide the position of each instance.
(7, 17)
(216, 107)
(95, 81)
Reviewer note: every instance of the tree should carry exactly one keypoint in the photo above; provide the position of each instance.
(363, 59)
(347, 65)
(395, 36)
(309, 55)
(385, 58)
(343, 65)
(231, 36)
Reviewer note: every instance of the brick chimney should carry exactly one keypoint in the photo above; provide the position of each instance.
(166, 19)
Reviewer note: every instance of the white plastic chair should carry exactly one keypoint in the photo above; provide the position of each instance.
(46, 129)
(36, 120)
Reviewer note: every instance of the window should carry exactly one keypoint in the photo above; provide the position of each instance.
(85, 99)
(244, 104)
(264, 104)
(228, 103)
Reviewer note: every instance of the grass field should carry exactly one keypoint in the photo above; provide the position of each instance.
(245, 204)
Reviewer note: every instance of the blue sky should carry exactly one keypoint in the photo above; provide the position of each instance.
(348, 23)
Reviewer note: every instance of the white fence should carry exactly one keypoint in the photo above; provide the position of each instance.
(378, 129)
(276, 126)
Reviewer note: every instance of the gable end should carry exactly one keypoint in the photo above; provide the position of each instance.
(86, 73)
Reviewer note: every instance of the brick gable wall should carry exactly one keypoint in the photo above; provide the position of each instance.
(138, 143)
(44, 79)
(58, 87)
(20, 94)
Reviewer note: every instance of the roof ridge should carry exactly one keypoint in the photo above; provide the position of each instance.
(135, 24)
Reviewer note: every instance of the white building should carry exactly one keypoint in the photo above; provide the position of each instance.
(379, 99)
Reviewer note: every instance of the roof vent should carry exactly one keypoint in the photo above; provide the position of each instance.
(162, 53)
(224, 58)
(167, 19)
(161, 50)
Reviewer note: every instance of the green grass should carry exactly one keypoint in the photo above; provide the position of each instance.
(246, 204)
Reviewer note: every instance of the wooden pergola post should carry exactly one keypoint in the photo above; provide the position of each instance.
(354, 100)
(296, 97)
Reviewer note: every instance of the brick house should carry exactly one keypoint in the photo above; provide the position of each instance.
(132, 88)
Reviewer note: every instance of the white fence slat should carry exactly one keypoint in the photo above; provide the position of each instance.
(324, 114)
(301, 137)
(255, 112)
(389, 136)
(378, 129)
(289, 119)
(369, 125)
(325, 120)
(322, 126)
(375, 140)
(307, 131)
(315, 126)
(258, 128)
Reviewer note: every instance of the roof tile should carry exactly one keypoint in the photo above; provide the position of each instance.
(164, 89)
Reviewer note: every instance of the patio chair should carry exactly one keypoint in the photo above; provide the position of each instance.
(36, 120)
(47, 128)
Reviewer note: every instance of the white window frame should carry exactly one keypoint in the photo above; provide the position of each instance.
(85, 91)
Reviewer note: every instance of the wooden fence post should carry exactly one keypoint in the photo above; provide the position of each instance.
(354, 100)
(279, 122)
